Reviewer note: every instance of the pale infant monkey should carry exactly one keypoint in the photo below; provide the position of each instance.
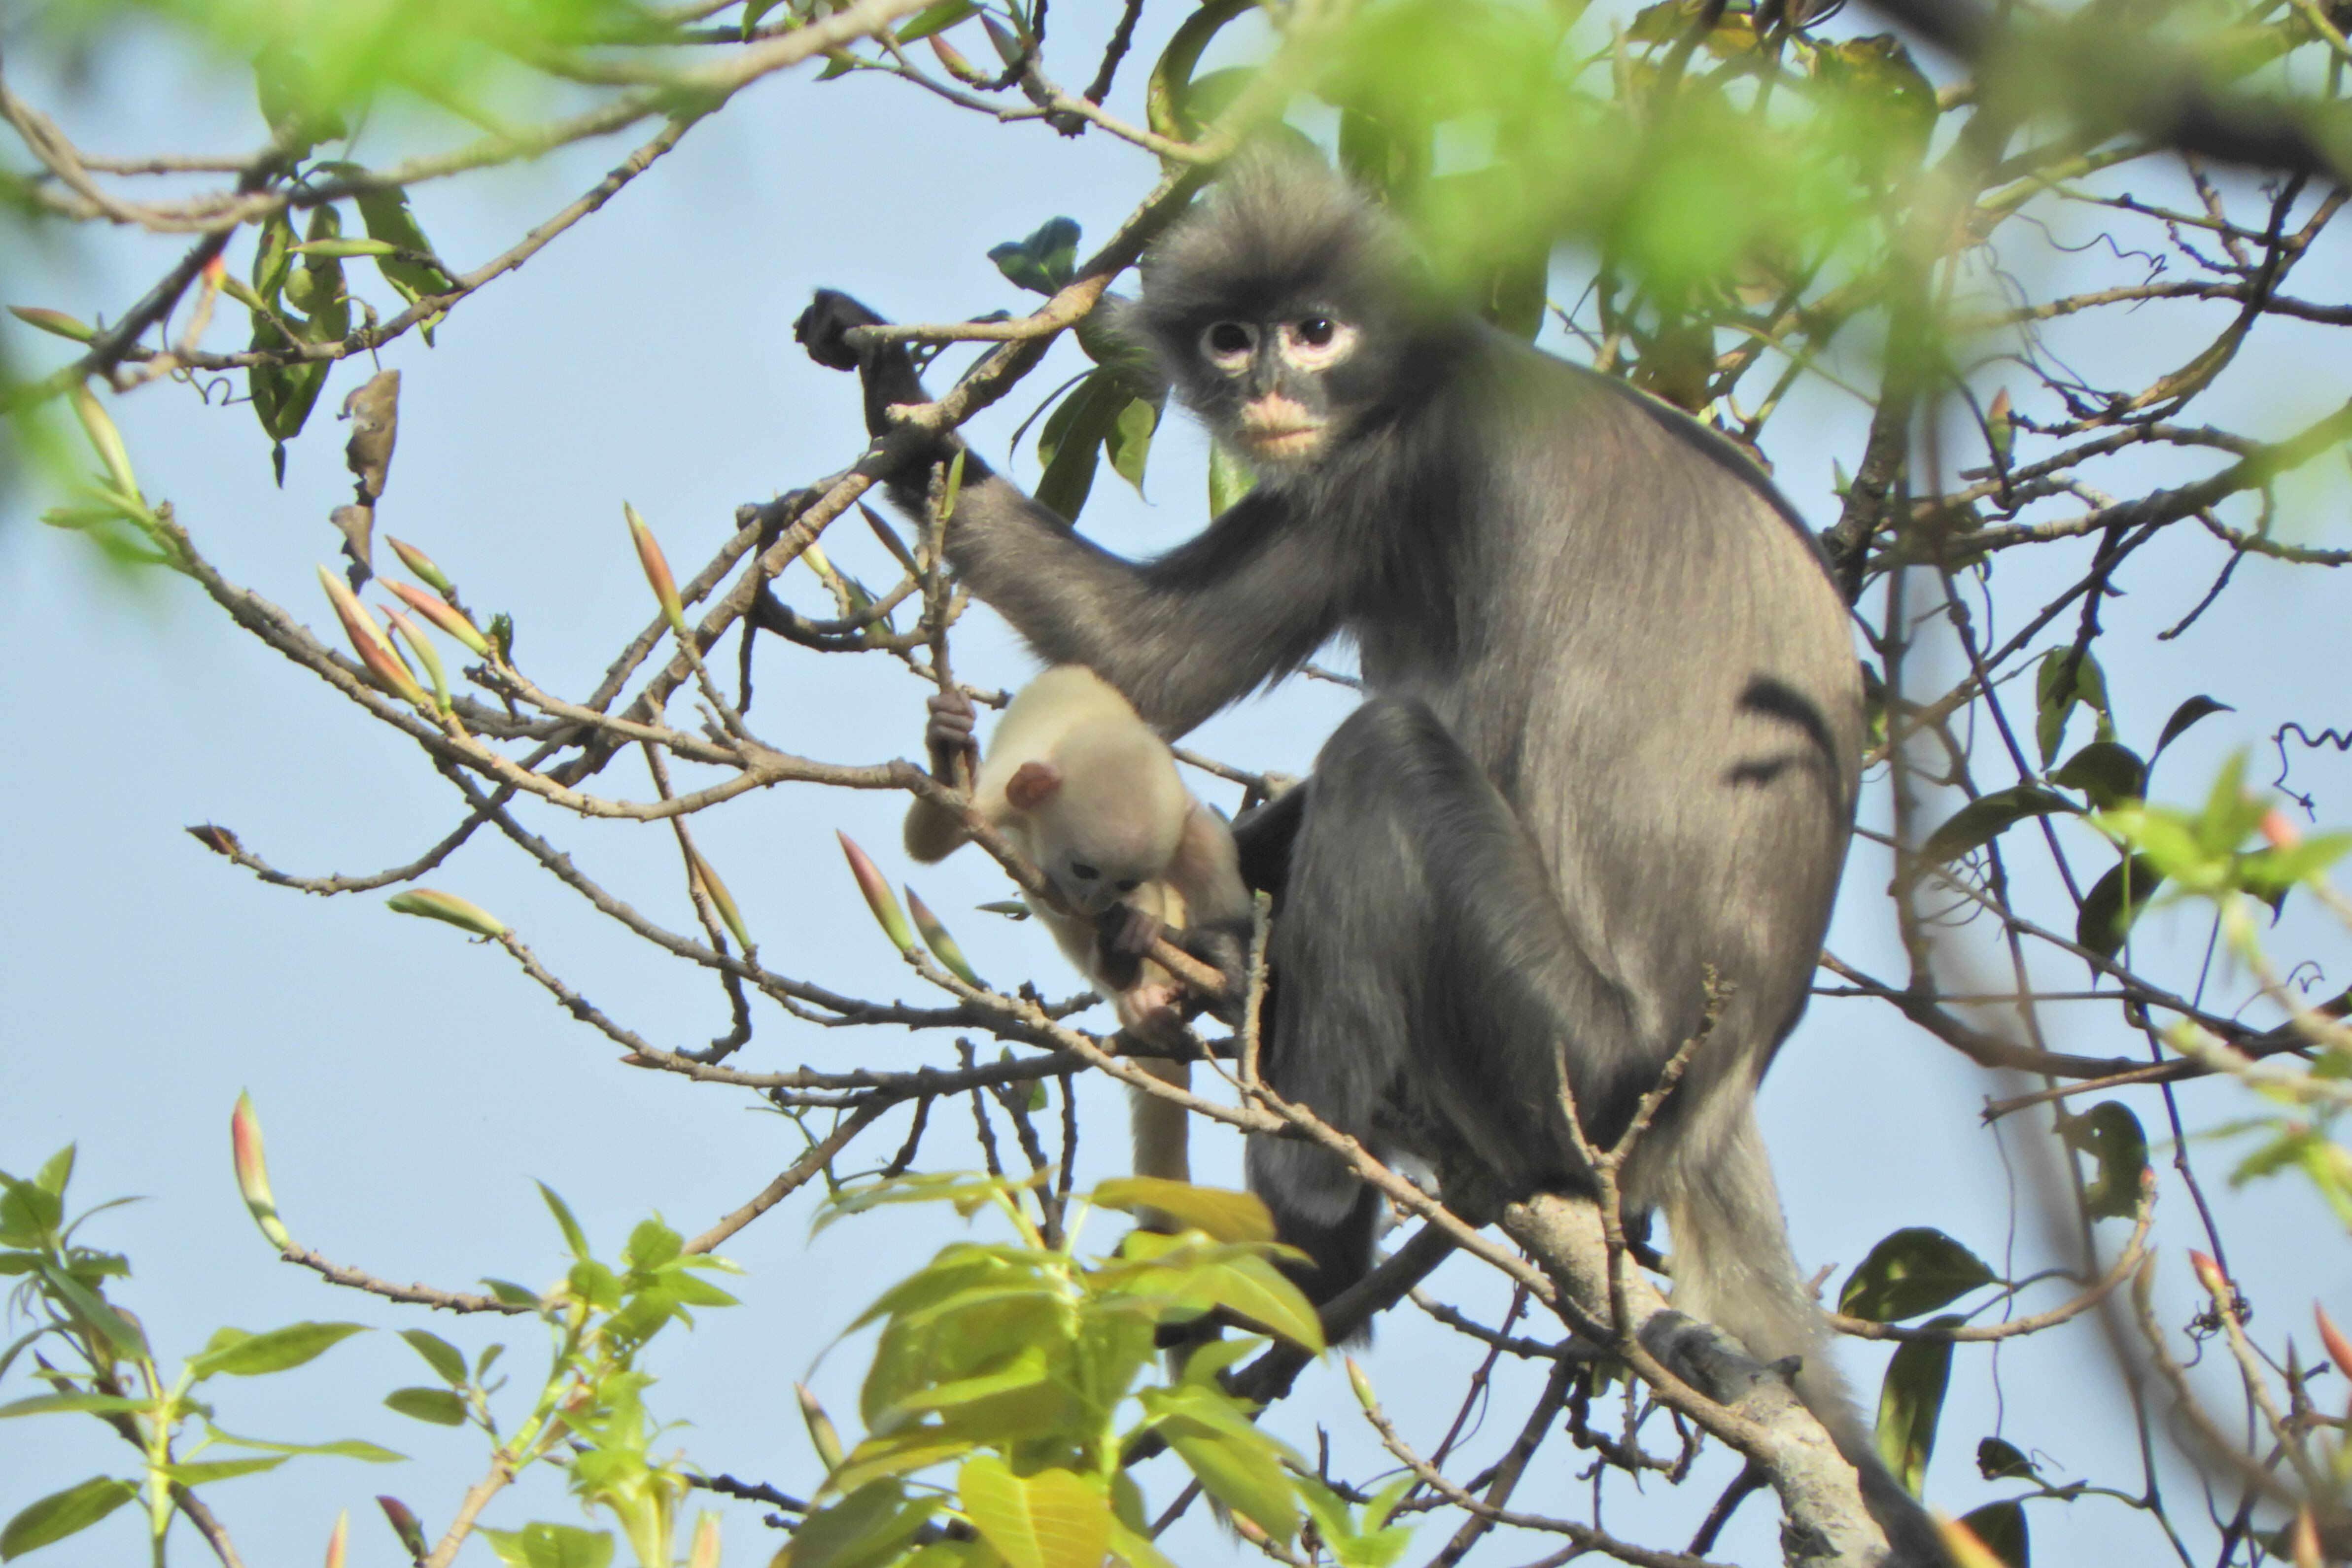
(1089, 792)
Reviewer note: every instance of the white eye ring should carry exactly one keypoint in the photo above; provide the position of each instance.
(1238, 347)
(1338, 340)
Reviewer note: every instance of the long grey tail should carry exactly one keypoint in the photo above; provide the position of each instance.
(1734, 1268)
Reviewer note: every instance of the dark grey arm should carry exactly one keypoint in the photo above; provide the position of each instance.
(1182, 636)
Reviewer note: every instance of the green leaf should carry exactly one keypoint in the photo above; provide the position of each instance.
(1987, 817)
(512, 1294)
(1045, 261)
(2188, 713)
(880, 1458)
(1070, 443)
(2112, 1136)
(1022, 1399)
(119, 1330)
(95, 1403)
(1368, 1545)
(1910, 1402)
(441, 1406)
(871, 1525)
(64, 1514)
(343, 249)
(551, 1546)
(1258, 1292)
(573, 1236)
(443, 1357)
(206, 1472)
(1913, 1270)
(936, 19)
(2060, 683)
(29, 1212)
(2003, 1461)
(257, 1355)
(343, 1449)
(386, 213)
(1222, 1213)
(2109, 773)
(54, 1171)
(651, 1244)
(1129, 444)
(1230, 478)
(2000, 1526)
(1134, 1548)
(2113, 904)
(2268, 874)
(1050, 1520)
(1242, 1475)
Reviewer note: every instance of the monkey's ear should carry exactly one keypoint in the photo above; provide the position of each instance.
(1031, 785)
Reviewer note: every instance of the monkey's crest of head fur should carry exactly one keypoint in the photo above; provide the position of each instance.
(1278, 227)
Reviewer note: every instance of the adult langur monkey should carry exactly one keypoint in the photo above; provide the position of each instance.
(1611, 743)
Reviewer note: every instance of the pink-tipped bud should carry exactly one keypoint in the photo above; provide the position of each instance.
(339, 1539)
(962, 70)
(426, 655)
(822, 1437)
(2339, 1349)
(1362, 1384)
(253, 1173)
(434, 905)
(53, 321)
(421, 565)
(658, 573)
(878, 897)
(2303, 1541)
(704, 1554)
(2280, 829)
(942, 945)
(367, 639)
(441, 614)
(405, 1525)
(106, 441)
(720, 899)
(2209, 1274)
(1011, 48)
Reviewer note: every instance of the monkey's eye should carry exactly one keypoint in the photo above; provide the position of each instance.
(1229, 344)
(1131, 884)
(1082, 872)
(1312, 343)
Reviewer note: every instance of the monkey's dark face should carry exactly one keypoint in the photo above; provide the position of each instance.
(1273, 385)
(1282, 310)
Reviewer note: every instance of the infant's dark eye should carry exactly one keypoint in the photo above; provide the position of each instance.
(1131, 884)
(1229, 338)
(1316, 331)
(1082, 872)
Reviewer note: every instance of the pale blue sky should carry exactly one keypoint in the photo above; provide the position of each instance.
(412, 1085)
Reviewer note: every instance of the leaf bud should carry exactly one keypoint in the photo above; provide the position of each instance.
(422, 565)
(253, 1173)
(433, 904)
(878, 897)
